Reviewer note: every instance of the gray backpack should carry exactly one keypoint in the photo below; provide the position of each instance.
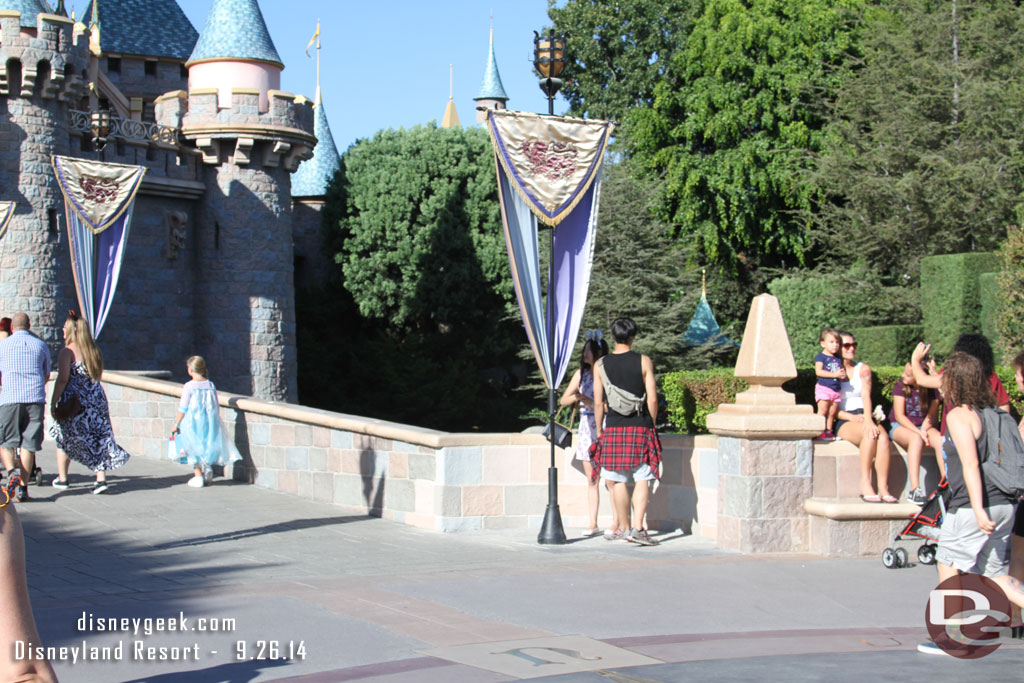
(621, 401)
(1003, 460)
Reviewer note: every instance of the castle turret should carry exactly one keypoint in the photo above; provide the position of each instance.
(42, 58)
(251, 136)
(492, 93)
(235, 51)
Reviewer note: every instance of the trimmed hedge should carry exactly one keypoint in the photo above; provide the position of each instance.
(887, 344)
(692, 395)
(950, 296)
(988, 291)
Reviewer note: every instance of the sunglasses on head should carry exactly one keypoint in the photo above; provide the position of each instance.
(72, 315)
(849, 345)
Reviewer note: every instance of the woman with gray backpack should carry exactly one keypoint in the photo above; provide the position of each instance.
(985, 470)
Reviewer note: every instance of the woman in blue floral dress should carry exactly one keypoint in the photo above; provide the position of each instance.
(87, 437)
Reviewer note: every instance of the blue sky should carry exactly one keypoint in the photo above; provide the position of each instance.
(385, 64)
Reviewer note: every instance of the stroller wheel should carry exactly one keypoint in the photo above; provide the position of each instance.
(926, 554)
(37, 474)
(889, 558)
(901, 557)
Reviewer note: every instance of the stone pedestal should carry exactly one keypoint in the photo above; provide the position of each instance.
(765, 453)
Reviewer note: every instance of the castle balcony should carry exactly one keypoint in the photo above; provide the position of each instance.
(127, 129)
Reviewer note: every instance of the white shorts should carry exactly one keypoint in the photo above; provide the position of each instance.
(963, 546)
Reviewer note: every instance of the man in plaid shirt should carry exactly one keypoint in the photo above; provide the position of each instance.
(627, 445)
(24, 369)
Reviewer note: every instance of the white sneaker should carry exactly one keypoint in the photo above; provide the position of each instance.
(930, 648)
(197, 482)
(99, 487)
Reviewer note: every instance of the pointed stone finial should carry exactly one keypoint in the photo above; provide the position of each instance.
(765, 361)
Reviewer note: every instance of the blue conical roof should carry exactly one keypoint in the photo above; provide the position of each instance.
(154, 28)
(30, 9)
(491, 88)
(235, 29)
(314, 175)
(704, 328)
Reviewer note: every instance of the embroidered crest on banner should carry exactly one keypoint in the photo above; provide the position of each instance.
(98, 193)
(551, 160)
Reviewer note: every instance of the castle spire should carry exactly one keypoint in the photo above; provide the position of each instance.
(451, 117)
(235, 31)
(492, 92)
(314, 174)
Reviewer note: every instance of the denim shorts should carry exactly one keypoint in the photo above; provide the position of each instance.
(641, 473)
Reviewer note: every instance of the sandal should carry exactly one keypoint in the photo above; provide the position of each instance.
(871, 499)
(890, 499)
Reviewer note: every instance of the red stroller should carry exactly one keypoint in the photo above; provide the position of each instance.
(925, 524)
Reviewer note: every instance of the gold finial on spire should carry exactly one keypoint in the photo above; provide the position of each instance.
(703, 283)
(451, 117)
(492, 26)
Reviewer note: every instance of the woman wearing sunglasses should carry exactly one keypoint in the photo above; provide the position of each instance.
(856, 425)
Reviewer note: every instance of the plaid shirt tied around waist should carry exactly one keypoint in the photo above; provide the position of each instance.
(626, 448)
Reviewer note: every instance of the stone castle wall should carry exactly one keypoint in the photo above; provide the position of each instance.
(208, 265)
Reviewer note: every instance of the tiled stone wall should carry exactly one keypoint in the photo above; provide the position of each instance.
(421, 477)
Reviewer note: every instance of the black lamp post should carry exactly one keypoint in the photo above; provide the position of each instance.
(549, 61)
(99, 125)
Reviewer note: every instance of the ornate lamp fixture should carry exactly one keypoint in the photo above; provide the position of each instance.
(549, 61)
(99, 124)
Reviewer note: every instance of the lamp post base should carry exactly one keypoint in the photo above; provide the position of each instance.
(551, 531)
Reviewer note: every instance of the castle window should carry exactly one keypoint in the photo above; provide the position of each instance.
(51, 222)
(114, 65)
(150, 68)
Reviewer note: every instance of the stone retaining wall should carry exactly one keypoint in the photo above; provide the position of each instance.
(421, 477)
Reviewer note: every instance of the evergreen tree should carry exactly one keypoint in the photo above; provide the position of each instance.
(925, 154)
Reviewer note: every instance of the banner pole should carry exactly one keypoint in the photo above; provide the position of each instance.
(551, 531)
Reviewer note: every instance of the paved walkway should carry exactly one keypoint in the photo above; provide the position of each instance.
(275, 588)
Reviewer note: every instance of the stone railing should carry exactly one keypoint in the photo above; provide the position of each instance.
(421, 477)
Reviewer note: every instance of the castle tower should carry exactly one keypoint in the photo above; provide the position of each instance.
(492, 93)
(251, 136)
(42, 58)
(309, 188)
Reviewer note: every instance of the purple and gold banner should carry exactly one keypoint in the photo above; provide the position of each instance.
(98, 201)
(549, 170)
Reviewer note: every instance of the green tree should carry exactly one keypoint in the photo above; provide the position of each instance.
(422, 244)
(413, 326)
(640, 274)
(732, 139)
(924, 154)
(619, 51)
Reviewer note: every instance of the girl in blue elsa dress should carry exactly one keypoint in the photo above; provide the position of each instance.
(201, 440)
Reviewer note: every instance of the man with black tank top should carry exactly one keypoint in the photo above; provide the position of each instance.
(627, 444)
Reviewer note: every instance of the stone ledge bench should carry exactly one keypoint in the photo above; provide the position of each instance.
(842, 525)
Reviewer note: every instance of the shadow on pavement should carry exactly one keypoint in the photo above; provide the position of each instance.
(238, 672)
(276, 528)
